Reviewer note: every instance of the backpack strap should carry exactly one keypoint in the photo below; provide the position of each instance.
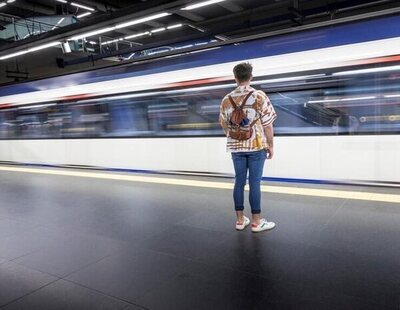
(233, 102)
(254, 122)
(245, 99)
(235, 106)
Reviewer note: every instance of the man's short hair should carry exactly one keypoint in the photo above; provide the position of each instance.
(243, 72)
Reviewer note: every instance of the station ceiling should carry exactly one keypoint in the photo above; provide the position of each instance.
(49, 37)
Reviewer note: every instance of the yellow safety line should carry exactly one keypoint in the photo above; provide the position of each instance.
(392, 198)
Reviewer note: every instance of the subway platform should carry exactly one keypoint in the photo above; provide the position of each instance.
(79, 239)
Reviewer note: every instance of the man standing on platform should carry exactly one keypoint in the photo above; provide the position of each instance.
(247, 116)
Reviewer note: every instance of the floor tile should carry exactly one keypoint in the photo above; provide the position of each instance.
(23, 243)
(286, 295)
(258, 254)
(8, 227)
(17, 281)
(68, 253)
(348, 274)
(185, 241)
(129, 276)
(187, 291)
(64, 295)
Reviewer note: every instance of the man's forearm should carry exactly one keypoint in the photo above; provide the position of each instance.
(269, 132)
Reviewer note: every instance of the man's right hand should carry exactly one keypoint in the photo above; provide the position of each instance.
(270, 152)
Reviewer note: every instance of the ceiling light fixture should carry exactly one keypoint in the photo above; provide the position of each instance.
(82, 6)
(111, 41)
(119, 26)
(40, 47)
(137, 35)
(92, 33)
(158, 30)
(62, 1)
(3, 4)
(84, 14)
(200, 4)
(59, 22)
(14, 54)
(174, 26)
(142, 20)
(33, 49)
(10, 1)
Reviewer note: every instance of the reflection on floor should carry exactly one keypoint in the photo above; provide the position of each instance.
(69, 242)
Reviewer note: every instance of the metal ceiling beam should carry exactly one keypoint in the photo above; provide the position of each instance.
(230, 6)
(99, 6)
(191, 16)
(154, 23)
(29, 7)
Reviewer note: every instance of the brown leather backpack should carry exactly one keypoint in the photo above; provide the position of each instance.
(237, 130)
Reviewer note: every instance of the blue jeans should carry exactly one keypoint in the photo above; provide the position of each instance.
(254, 163)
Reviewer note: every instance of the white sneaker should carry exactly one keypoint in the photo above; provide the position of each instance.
(264, 225)
(242, 226)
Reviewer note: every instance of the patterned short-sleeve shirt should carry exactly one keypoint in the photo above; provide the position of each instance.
(258, 106)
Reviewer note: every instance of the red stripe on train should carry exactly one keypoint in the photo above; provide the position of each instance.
(201, 81)
(5, 105)
(375, 60)
(79, 96)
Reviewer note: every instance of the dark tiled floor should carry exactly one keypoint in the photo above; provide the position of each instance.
(75, 243)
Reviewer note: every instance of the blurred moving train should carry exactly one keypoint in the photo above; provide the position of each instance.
(336, 90)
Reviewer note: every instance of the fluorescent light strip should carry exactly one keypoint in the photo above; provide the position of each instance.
(287, 79)
(84, 14)
(92, 33)
(137, 35)
(62, 1)
(111, 41)
(201, 4)
(82, 6)
(174, 26)
(184, 46)
(3, 4)
(33, 49)
(370, 70)
(342, 99)
(358, 98)
(142, 20)
(41, 47)
(14, 54)
(158, 30)
(10, 1)
(59, 22)
(119, 26)
(392, 96)
(37, 106)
